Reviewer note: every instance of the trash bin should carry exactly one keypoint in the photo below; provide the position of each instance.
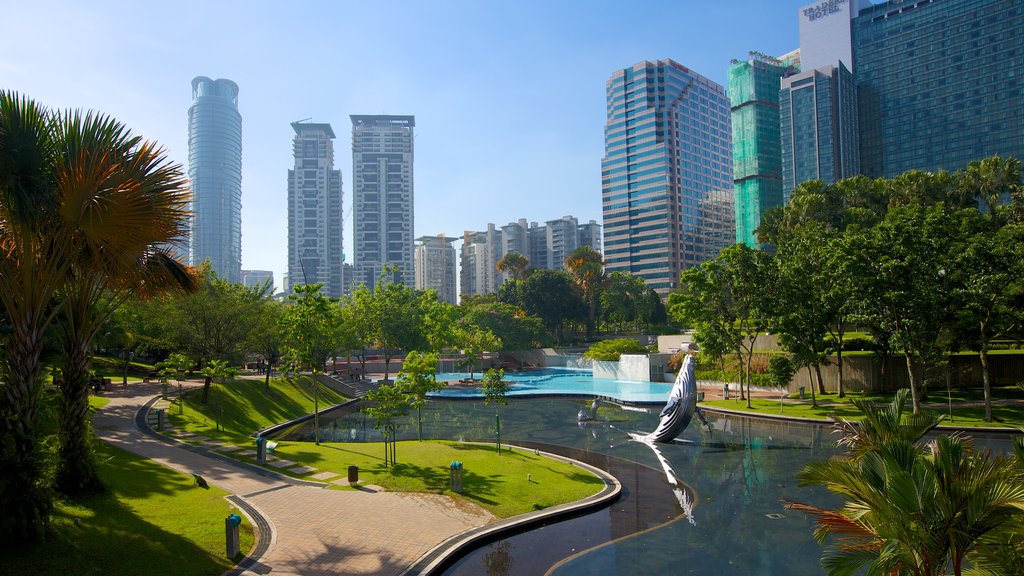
(261, 450)
(159, 418)
(801, 392)
(231, 524)
(455, 470)
(353, 474)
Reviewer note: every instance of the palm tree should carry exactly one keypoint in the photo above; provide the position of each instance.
(586, 266)
(32, 266)
(128, 201)
(990, 180)
(515, 264)
(913, 508)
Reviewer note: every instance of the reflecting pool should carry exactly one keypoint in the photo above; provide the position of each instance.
(560, 382)
(734, 476)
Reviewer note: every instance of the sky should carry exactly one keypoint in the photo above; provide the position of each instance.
(509, 97)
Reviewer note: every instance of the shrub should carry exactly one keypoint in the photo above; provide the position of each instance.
(780, 370)
(858, 344)
(610, 350)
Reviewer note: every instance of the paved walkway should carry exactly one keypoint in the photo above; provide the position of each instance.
(315, 531)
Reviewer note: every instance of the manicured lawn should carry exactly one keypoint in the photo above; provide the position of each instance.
(830, 403)
(151, 520)
(245, 406)
(507, 484)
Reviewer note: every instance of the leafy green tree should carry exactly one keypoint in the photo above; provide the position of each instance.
(213, 323)
(518, 330)
(724, 300)
(550, 296)
(988, 275)
(611, 350)
(514, 264)
(627, 301)
(416, 380)
(393, 317)
(495, 391)
(586, 267)
(174, 367)
(267, 336)
(474, 342)
(387, 402)
(310, 328)
(991, 181)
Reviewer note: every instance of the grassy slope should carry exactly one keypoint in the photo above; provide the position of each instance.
(152, 520)
(497, 482)
(1005, 416)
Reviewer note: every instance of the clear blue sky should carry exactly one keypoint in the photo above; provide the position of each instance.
(508, 96)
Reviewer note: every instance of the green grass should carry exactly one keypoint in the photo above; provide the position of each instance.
(507, 484)
(496, 482)
(245, 406)
(152, 520)
(830, 403)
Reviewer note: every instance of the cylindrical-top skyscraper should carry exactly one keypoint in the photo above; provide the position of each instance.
(215, 172)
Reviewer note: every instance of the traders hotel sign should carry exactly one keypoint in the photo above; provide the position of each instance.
(823, 9)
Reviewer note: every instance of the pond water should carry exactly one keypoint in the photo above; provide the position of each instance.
(560, 381)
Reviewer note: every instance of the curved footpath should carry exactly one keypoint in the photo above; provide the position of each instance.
(302, 528)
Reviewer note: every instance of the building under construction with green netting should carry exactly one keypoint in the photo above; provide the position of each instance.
(756, 143)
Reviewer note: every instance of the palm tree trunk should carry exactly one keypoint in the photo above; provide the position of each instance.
(24, 500)
(76, 466)
(206, 389)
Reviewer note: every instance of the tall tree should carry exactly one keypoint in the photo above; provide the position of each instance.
(586, 267)
(267, 336)
(416, 380)
(991, 181)
(33, 264)
(550, 296)
(310, 328)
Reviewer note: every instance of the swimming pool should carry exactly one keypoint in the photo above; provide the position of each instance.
(560, 382)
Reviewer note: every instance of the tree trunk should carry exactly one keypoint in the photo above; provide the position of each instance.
(124, 375)
(25, 503)
(840, 389)
(821, 381)
(76, 465)
(913, 380)
(206, 389)
(750, 355)
(739, 371)
(810, 384)
(983, 355)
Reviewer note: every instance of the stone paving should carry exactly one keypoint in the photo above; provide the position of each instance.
(315, 530)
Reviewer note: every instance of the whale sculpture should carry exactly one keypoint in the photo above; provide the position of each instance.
(682, 402)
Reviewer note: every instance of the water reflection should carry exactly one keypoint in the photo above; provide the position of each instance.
(730, 478)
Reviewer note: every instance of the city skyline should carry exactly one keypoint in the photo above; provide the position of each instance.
(509, 99)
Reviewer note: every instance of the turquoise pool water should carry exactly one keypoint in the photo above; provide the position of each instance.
(561, 382)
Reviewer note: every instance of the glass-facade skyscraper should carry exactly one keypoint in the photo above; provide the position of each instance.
(315, 245)
(215, 172)
(940, 82)
(667, 172)
(382, 204)
(818, 125)
(756, 144)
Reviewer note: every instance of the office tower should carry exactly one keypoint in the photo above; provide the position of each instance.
(756, 146)
(315, 246)
(382, 205)
(215, 172)
(666, 171)
(818, 123)
(435, 266)
(258, 278)
(941, 83)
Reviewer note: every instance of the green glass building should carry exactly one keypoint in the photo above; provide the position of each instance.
(756, 146)
(940, 83)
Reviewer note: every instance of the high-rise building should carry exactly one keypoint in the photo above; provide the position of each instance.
(258, 279)
(666, 171)
(756, 143)
(546, 247)
(215, 172)
(818, 123)
(435, 267)
(315, 244)
(382, 205)
(940, 82)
